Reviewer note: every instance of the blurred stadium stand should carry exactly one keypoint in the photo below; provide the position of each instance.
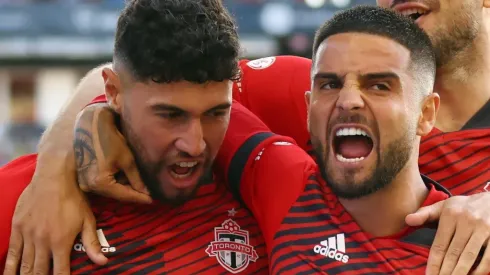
(46, 46)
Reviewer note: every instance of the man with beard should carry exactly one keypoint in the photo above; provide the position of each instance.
(173, 66)
(410, 103)
(457, 152)
(458, 160)
(371, 102)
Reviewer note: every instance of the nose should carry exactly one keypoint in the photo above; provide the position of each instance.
(350, 99)
(192, 140)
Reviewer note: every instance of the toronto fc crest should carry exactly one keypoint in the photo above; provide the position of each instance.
(231, 247)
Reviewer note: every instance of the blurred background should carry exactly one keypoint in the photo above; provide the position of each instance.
(46, 46)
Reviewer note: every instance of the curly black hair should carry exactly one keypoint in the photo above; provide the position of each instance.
(174, 40)
(386, 23)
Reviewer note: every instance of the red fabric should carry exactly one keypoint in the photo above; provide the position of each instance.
(154, 239)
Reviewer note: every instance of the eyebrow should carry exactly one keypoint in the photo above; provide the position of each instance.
(173, 108)
(325, 75)
(379, 75)
(367, 76)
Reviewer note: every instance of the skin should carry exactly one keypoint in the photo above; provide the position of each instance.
(459, 31)
(366, 81)
(166, 123)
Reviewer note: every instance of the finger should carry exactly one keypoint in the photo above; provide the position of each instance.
(41, 260)
(470, 252)
(133, 175)
(27, 260)
(14, 253)
(91, 242)
(425, 214)
(122, 192)
(445, 232)
(61, 261)
(483, 267)
(456, 248)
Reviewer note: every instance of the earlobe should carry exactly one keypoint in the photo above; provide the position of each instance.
(486, 4)
(112, 87)
(428, 115)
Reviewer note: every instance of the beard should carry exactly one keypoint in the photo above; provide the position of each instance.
(387, 167)
(458, 35)
(149, 170)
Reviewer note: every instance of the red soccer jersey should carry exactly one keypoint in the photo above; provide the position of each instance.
(210, 234)
(306, 228)
(274, 88)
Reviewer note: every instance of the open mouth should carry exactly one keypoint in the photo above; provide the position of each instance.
(414, 13)
(182, 170)
(352, 144)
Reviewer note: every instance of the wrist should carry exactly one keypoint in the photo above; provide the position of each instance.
(54, 162)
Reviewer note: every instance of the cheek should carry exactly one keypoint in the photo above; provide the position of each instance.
(319, 114)
(214, 133)
(392, 124)
(155, 138)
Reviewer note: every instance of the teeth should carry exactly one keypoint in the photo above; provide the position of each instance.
(342, 159)
(187, 164)
(351, 132)
(409, 12)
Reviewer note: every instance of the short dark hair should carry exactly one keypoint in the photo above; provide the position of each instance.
(386, 23)
(177, 40)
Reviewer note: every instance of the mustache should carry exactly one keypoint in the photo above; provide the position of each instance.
(345, 119)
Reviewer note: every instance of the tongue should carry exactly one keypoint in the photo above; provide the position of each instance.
(354, 147)
(180, 170)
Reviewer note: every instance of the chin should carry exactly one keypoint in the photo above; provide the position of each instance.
(353, 185)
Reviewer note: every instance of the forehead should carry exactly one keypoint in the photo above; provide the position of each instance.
(185, 95)
(361, 53)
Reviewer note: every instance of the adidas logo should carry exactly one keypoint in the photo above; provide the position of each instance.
(333, 247)
(105, 247)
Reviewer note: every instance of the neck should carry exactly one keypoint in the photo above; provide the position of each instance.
(383, 212)
(464, 84)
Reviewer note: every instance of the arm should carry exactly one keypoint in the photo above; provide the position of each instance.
(268, 172)
(43, 223)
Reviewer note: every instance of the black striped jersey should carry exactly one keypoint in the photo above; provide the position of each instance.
(209, 234)
(306, 228)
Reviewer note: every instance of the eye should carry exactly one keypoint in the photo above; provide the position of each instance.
(219, 113)
(380, 87)
(331, 85)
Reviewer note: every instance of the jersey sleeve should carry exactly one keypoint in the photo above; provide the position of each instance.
(14, 178)
(267, 171)
(273, 88)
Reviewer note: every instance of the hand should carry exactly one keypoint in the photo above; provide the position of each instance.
(464, 229)
(101, 151)
(45, 224)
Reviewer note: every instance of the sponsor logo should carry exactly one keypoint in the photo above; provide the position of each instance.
(105, 247)
(334, 248)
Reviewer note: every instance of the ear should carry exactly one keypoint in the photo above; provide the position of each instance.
(307, 98)
(427, 119)
(113, 89)
(307, 101)
(486, 4)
